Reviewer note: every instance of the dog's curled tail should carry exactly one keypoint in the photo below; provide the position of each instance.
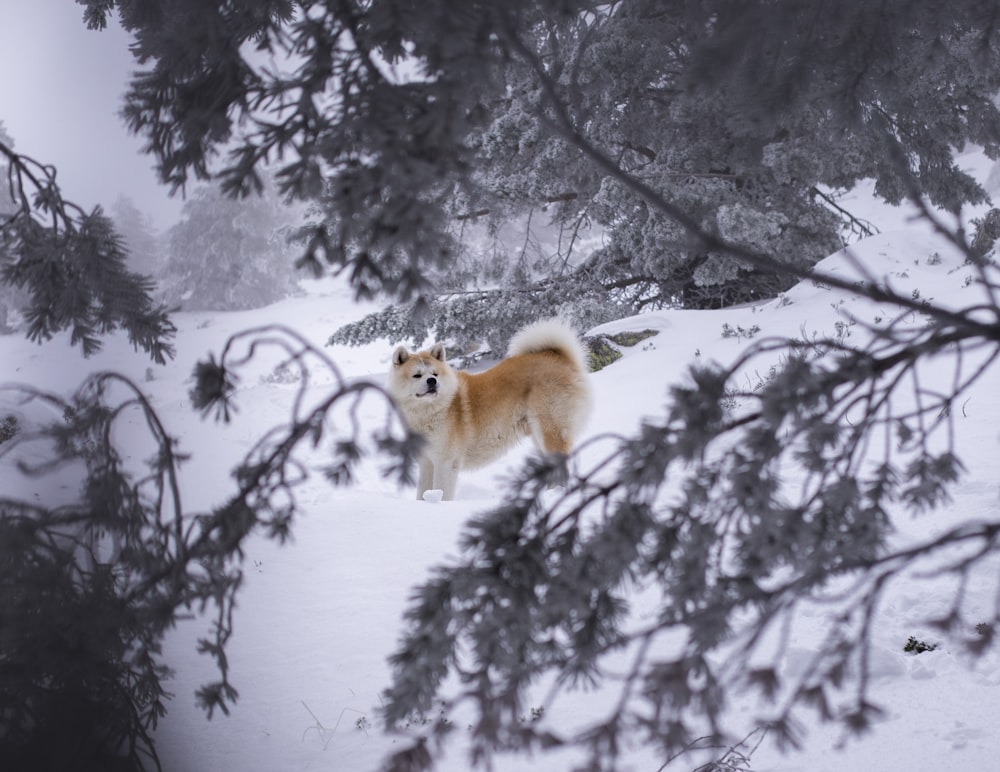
(553, 334)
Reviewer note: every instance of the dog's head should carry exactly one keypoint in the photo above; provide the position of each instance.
(424, 375)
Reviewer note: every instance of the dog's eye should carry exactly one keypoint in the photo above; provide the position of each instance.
(417, 375)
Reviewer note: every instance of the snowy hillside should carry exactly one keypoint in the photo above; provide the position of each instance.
(317, 618)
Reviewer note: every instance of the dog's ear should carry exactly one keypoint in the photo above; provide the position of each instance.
(437, 351)
(400, 355)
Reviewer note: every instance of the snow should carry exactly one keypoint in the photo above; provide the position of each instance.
(317, 618)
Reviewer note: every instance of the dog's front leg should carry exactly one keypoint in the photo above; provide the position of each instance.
(446, 478)
(426, 479)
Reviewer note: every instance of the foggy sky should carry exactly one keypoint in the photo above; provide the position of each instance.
(61, 88)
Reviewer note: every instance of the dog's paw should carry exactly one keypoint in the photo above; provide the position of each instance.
(434, 495)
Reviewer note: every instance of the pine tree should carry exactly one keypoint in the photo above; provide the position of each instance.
(10, 298)
(139, 235)
(228, 253)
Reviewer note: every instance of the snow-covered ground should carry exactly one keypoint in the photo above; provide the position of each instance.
(317, 618)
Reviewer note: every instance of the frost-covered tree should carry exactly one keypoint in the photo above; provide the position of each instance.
(228, 253)
(621, 71)
(735, 114)
(752, 141)
(10, 298)
(138, 232)
(389, 118)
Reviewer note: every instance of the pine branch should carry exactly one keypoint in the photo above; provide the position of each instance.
(72, 265)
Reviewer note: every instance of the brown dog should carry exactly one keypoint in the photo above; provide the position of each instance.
(469, 419)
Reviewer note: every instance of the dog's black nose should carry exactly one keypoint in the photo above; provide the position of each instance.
(432, 383)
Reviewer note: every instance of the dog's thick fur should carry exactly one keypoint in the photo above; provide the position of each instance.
(539, 390)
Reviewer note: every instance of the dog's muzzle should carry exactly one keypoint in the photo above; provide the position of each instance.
(432, 388)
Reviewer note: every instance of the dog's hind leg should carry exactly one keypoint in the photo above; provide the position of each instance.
(549, 437)
(552, 441)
